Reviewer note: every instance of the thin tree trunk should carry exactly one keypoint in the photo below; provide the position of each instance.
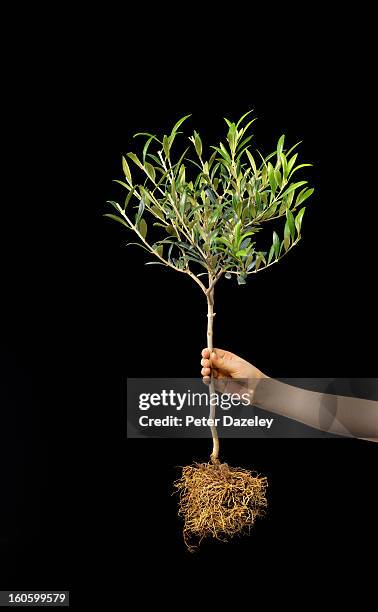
(210, 319)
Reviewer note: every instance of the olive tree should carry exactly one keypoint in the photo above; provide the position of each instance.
(203, 214)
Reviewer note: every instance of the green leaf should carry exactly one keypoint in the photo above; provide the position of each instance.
(302, 196)
(269, 212)
(145, 149)
(157, 161)
(159, 213)
(298, 167)
(177, 166)
(142, 227)
(271, 253)
(252, 162)
(276, 244)
(198, 144)
(243, 117)
(135, 160)
(241, 279)
(259, 259)
(181, 176)
(177, 125)
(292, 148)
(173, 190)
(169, 252)
(283, 207)
(242, 253)
(211, 160)
(232, 136)
(115, 218)
(158, 248)
(298, 220)
(249, 123)
(292, 187)
(271, 177)
(115, 205)
(284, 166)
(241, 145)
(291, 223)
(128, 198)
(125, 185)
(140, 211)
(146, 195)
(280, 145)
(152, 136)
(126, 170)
(223, 153)
(291, 162)
(224, 241)
(264, 160)
(150, 170)
(250, 233)
(287, 235)
(166, 145)
(237, 233)
(210, 194)
(289, 199)
(182, 203)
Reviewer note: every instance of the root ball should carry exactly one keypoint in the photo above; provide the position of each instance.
(219, 501)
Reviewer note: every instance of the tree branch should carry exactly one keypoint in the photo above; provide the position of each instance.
(167, 263)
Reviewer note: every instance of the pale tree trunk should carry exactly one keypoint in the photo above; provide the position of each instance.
(210, 319)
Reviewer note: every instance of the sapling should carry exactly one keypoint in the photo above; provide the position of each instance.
(204, 217)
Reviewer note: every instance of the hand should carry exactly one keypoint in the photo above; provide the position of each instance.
(228, 369)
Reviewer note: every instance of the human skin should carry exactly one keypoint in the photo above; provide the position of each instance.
(227, 365)
(336, 414)
(231, 373)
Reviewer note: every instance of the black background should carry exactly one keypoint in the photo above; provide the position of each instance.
(81, 311)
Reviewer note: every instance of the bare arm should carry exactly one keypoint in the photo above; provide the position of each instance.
(336, 414)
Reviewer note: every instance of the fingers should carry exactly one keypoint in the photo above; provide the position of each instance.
(206, 366)
(220, 361)
(210, 363)
(217, 360)
(207, 372)
(219, 352)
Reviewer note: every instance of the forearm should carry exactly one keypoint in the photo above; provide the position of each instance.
(335, 414)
